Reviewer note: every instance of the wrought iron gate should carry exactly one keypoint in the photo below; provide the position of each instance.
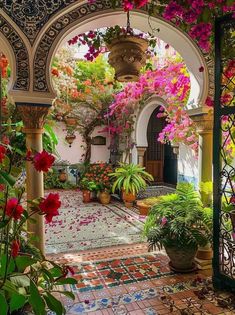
(224, 154)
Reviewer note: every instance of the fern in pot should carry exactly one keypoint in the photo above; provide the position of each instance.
(179, 224)
(130, 179)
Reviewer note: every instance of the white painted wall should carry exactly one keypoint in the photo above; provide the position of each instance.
(74, 154)
(187, 165)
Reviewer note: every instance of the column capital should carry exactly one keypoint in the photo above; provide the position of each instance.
(33, 116)
(141, 150)
(204, 122)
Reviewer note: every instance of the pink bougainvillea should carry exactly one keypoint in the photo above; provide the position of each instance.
(170, 82)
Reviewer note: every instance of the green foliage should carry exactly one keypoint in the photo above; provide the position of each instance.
(179, 220)
(51, 181)
(206, 191)
(86, 184)
(130, 177)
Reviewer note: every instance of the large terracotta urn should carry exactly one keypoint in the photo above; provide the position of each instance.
(127, 56)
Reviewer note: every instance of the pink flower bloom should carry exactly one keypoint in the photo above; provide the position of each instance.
(164, 221)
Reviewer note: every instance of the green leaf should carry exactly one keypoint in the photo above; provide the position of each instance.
(54, 304)
(6, 179)
(3, 223)
(10, 266)
(17, 301)
(10, 287)
(20, 281)
(35, 300)
(24, 261)
(3, 303)
(66, 281)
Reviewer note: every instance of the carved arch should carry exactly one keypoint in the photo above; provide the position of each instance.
(22, 67)
(63, 24)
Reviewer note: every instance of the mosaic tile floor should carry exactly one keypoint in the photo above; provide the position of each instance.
(126, 280)
(80, 227)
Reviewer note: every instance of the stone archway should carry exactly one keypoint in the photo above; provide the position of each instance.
(17, 53)
(97, 15)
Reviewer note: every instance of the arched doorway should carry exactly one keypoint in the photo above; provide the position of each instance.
(160, 161)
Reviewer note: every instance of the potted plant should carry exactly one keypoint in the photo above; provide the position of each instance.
(99, 174)
(146, 204)
(178, 223)
(87, 187)
(130, 179)
(63, 176)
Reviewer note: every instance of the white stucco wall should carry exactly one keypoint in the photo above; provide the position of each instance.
(187, 165)
(74, 154)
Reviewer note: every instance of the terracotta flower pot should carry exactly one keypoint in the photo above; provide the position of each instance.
(181, 260)
(63, 177)
(86, 194)
(104, 197)
(128, 199)
(127, 56)
(143, 208)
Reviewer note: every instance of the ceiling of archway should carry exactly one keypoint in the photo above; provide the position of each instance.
(32, 15)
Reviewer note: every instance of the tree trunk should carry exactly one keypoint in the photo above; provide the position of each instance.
(87, 157)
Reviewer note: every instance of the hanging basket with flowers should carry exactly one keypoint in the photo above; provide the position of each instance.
(128, 49)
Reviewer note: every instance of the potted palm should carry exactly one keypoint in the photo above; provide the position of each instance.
(178, 223)
(130, 179)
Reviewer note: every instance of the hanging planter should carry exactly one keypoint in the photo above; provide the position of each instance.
(127, 56)
(70, 121)
(70, 138)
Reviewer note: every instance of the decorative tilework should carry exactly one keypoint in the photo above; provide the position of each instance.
(116, 272)
(21, 54)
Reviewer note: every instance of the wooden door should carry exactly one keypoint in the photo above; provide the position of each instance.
(154, 157)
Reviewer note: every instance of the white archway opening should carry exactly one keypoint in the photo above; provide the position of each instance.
(182, 43)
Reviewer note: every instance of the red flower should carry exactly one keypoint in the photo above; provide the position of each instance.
(15, 247)
(2, 153)
(201, 69)
(14, 209)
(50, 205)
(5, 140)
(43, 161)
(55, 72)
(232, 200)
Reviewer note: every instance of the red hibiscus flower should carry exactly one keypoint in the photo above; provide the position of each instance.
(15, 247)
(50, 205)
(14, 209)
(2, 153)
(43, 161)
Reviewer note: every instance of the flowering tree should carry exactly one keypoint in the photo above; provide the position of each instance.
(84, 93)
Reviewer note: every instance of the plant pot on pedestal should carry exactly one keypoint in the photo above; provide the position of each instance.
(127, 56)
(181, 259)
(86, 195)
(104, 197)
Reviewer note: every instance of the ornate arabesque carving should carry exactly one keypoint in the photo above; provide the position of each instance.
(32, 15)
(33, 116)
(41, 55)
(21, 54)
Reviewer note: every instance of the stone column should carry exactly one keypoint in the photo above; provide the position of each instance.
(204, 124)
(33, 117)
(140, 153)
